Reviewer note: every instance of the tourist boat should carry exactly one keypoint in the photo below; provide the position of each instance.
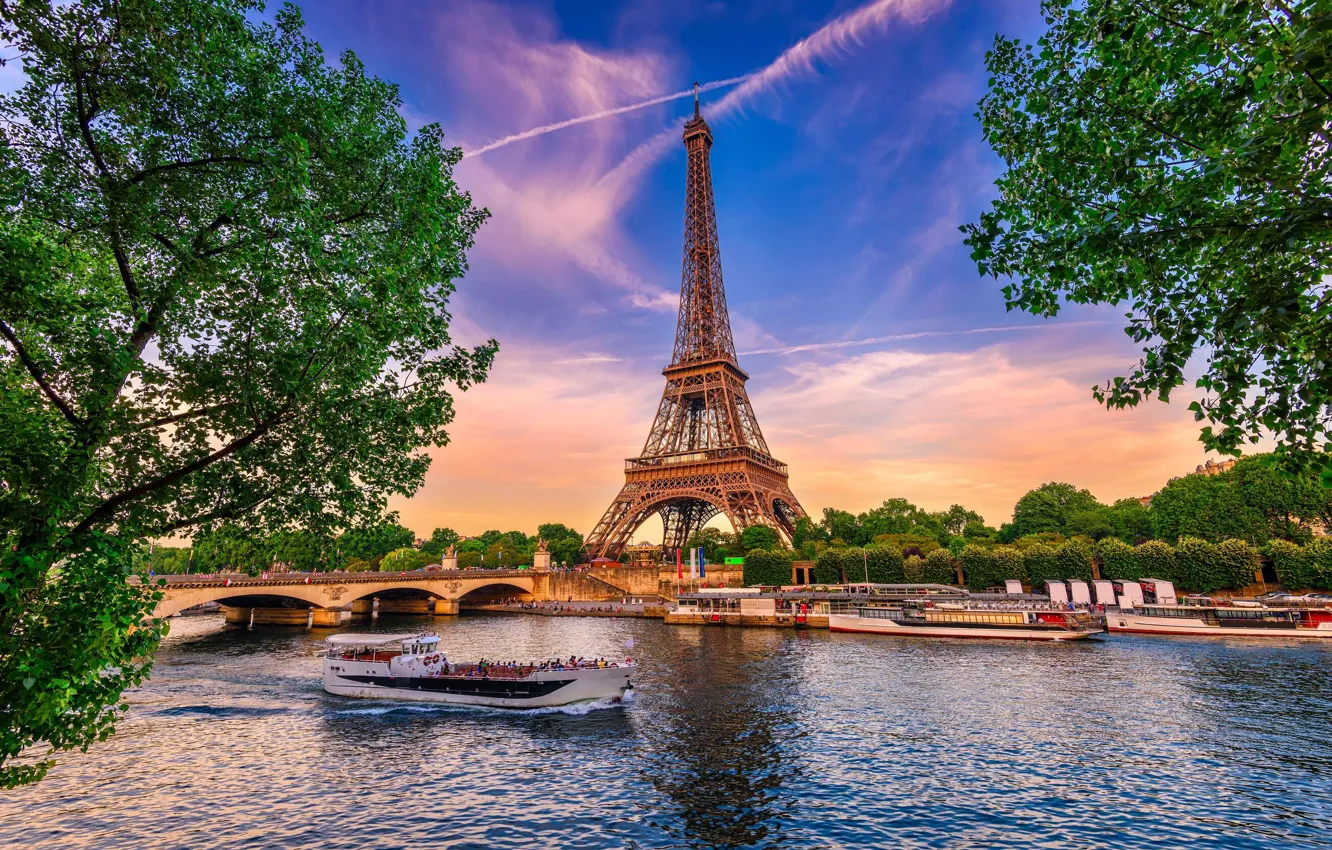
(412, 667)
(1242, 618)
(958, 621)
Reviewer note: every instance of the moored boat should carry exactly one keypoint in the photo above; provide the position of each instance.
(959, 621)
(1242, 618)
(412, 667)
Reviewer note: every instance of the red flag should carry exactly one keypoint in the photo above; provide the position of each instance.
(679, 566)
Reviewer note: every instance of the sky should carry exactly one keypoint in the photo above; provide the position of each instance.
(881, 364)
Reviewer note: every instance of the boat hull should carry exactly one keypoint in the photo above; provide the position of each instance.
(864, 625)
(544, 689)
(1128, 623)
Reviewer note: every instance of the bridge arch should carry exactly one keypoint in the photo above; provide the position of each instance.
(338, 591)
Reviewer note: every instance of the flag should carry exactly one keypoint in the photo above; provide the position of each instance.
(679, 567)
(693, 563)
(702, 561)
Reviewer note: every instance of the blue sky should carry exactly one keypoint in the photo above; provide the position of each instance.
(882, 365)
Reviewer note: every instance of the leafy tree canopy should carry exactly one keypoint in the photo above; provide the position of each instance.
(759, 537)
(1175, 157)
(440, 540)
(224, 274)
(1050, 508)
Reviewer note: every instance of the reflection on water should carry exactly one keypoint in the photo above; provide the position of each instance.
(734, 738)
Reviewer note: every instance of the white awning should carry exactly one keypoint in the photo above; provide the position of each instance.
(367, 640)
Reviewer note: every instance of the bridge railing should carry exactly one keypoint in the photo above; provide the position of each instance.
(280, 579)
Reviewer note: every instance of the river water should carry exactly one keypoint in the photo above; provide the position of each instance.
(733, 738)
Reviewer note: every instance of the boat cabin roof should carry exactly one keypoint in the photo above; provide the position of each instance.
(377, 639)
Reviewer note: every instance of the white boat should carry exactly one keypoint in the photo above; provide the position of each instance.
(412, 667)
(1011, 624)
(1241, 618)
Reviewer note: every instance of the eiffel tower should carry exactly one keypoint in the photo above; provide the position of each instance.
(705, 454)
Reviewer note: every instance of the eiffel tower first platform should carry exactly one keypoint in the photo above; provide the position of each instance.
(705, 454)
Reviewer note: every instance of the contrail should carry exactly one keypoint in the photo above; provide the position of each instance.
(855, 343)
(833, 38)
(596, 116)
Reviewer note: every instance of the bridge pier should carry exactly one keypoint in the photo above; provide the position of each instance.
(403, 606)
(446, 607)
(362, 608)
(243, 616)
(328, 618)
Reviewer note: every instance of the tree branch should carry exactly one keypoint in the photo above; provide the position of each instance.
(185, 415)
(193, 163)
(39, 375)
(107, 509)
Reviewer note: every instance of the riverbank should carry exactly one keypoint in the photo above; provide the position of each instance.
(574, 609)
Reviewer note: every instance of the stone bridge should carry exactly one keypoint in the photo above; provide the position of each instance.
(327, 599)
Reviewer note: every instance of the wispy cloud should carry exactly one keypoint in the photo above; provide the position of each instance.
(597, 116)
(878, 340)
(836, 38)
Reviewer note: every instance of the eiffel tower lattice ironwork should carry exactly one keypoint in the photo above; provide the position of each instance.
(705, 454)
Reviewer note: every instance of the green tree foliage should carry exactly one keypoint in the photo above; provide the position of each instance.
(844, 526)
(1042, 562)
(1156, 559)
(566, 545)
(1118, 559)
(1197, 564)
(828, 569)
(885, 564)
(759, 537)
(921, 544)
(1303, 567)
(913, 566)
(956, 519)
(1132, 523)
(1049, 508)
(1174, 158)
(405, 559)
(301, 551)
(1074, 560)
(990, 567)
(1238, 562)
(1206, 507)
(767, 567)
(976, 530)
(440, 541)
(717, 544)
(170, 560)
(225, 272)
(373, 541)
(939, 568)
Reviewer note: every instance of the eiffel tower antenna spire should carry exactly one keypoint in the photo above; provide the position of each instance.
(705, 454)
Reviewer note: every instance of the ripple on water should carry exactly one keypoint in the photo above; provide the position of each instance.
(733, 738)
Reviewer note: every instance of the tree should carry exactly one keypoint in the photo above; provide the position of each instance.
(759, 537)
(303, 551)
(440, 541)
(1131, 522)
(717, 545)
(1176, 158)
(843, 525)
(956, 519)
(405, 559)
(1049, 508)
(373, 541)
(770, 568)
(224, 274)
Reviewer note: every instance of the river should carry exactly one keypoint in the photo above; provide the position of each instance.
(733, 738)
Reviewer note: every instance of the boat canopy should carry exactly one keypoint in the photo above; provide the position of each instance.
(375, 639)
